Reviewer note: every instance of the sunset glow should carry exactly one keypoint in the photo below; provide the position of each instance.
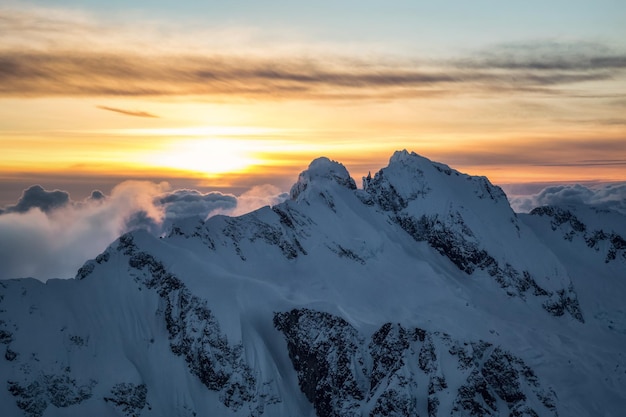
(208, 156)
(207, 97)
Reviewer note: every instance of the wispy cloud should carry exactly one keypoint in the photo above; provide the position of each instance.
(135, 113)
(545, 151)
(73, 55)
(78, 73)
(588, 163)
(548, 56)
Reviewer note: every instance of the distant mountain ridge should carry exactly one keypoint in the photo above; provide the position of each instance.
(420, 294)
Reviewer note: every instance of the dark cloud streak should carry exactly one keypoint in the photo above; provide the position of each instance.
(135, 113)
(552, 151)
(585, 163)
(48, 52)
(78, 73)
(548, 56)
(51, 73)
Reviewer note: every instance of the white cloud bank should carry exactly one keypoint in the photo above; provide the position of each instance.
(47, 235)
(609, 196)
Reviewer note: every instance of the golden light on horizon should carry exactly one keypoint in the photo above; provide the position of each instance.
(232, 146)
(209, 156)
(198, 131)
(214, 153)
(91, 96)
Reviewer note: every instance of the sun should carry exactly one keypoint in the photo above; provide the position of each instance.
(210, 156)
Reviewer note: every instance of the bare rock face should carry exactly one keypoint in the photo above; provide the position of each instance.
(411, 191)
(422, 294)
(61, 390)
(129, 398)
(611, 244)
(195, 333)
(398, 372)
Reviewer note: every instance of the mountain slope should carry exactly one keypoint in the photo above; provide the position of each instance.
(421, 294)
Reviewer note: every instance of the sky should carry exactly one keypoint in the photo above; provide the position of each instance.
(236, 98)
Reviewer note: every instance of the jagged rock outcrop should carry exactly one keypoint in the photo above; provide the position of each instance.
(403, 191)
(276, 227)
(61, 390)
(342, 374)
(326, 354)
(195, 333)
(438, 294)
(129, 398)
(611, 244)
(6, 335)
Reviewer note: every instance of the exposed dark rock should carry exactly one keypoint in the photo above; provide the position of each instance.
(78, 340)
(559, 217)
(566, 222)
(85, 270)
(328, 355)
(383, 193)
(10, 355)
(195, 334)
(328, 199)
(450, 235)
(346, 253)
(250, 228)
(6, 337)
(387, 349)
(488, 190)
(129, 398)
(325, 352)
(31, 398)
(396, 401)
(475, 397)
(199, 231)
(566, 301)
(59, 390)
(455, 240)
(500, 373)
(459, 247)
(427, 355)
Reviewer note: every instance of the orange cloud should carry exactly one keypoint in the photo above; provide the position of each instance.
(51, 52)
(35, 73)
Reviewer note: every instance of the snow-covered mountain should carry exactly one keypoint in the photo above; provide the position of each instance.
(421, 294)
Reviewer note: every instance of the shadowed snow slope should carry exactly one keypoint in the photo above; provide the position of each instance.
(421, 294)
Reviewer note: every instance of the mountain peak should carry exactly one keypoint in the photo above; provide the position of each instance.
(271, 313)
(405, 157)
(410, 175)
(322, 170)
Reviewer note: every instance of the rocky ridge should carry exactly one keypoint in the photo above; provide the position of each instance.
(272, 312)
(400, 371)
(610, 243)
